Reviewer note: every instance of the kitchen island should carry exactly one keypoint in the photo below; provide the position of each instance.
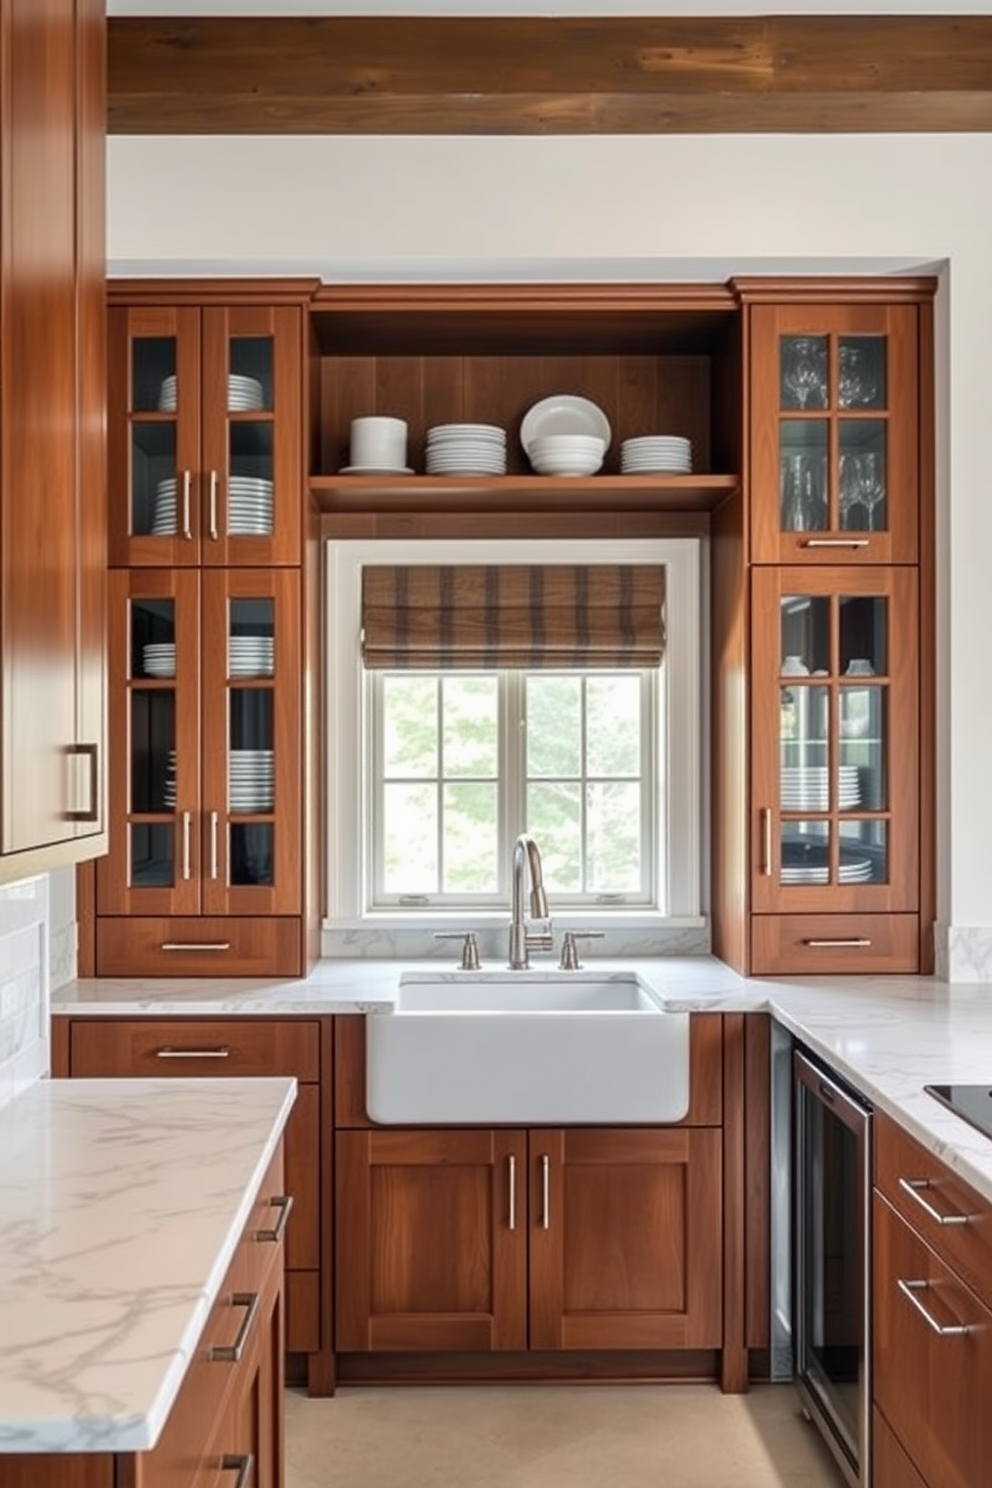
(125, 1209)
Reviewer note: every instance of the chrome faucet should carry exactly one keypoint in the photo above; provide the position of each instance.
(522, 940)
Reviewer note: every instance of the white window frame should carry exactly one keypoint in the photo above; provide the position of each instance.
(679, 795)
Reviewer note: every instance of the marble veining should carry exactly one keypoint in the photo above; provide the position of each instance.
(24, 984)
(963, 953)
(121, 1203)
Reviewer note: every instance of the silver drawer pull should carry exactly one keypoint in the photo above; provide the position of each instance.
(855, 942)
(946, 1330)
(168, 1052)
(187, 824)
(214, 535)
(835, 542)
(230, 1353)
(766, 842)
(244, 1466)
(284, 1203)
(196, 945)
(512, 1207)
(545, 1192)
(187, 488)
(915, 1186)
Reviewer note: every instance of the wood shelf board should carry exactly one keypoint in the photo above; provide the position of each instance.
(416, 493)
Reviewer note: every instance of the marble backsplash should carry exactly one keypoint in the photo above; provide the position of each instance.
(389, 943)
(24, 984)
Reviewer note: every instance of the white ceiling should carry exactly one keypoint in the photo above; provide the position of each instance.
(606, 8)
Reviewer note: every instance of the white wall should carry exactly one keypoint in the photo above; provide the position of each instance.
(694, 206)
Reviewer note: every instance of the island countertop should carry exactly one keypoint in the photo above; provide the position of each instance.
(121, 1204)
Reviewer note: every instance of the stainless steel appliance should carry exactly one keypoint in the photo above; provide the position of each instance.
(832, 1250)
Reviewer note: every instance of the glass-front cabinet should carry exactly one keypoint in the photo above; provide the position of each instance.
(205, 744)
(835, 740)
(834, 416)
(205, 435)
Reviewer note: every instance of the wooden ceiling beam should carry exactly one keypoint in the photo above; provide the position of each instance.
(567, 75)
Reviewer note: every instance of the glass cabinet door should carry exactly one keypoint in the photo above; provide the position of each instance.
(252, 435)
(153, 866)
(835, 742)
(252, 799)
(154, 418)
(834, 475)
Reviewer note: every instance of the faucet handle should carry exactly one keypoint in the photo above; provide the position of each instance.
(470, 949)
(570, 951)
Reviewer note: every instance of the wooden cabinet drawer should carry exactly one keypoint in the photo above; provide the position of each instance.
(140, 946)
(815, 944)
(891, 1468)
(102, 1047)
(910, 1177)
(932, 1386)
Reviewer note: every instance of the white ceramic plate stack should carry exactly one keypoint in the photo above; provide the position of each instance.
(805, 862)
(656, 454)
(244, 394)
(169, 793)
(164, 515)
(566, 454)
(807, 787)
(565, 435)
(249, 506)
(250, 656)
(158, 659)
(466, 449)
(250, 785)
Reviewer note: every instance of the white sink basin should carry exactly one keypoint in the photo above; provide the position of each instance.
(524, 1047)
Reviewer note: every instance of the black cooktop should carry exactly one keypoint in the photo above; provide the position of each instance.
(973, 1103)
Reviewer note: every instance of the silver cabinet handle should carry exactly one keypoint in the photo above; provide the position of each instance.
(284, 1203)
(90, 813)
(230, 1353)
(196, 945)
(512, 1205)
(187, 824)
(243, 1465)
(911, 1289)
(766, 842)
(213, 844)
(915, 1186)
(168, 1052)
(839, 940)
(545, 1191)
(187, 489)
(835, 542)
(214, 535)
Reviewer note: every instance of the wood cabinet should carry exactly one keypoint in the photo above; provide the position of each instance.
(101, 1048)
(52, 460)
(932, 1320)
(227, 1418)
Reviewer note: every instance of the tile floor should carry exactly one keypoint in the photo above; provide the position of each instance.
(642, 1436)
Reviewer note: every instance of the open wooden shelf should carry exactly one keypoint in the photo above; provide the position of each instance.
(532, 493)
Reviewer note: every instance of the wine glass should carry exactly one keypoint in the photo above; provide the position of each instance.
(856, 385)
(804, 372)
(870, 483)
(804, 506)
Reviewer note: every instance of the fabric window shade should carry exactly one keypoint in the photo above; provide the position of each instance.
(477, 618)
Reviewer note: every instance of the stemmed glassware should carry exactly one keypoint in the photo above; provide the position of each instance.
(861, 484)
(856, 384)
(804, 372)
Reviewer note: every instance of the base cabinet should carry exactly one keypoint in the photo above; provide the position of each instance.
(543, 1239)
(932, 1321)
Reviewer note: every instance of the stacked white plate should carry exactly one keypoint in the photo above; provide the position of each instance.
(250, 656)
(466, 449)
(656, 454)
(158, 659)
(169, 792)
(566, 454)
(164, 514)
(244, 394)
(807, 787)
(249, 506)
(805, 862)
(250, 783)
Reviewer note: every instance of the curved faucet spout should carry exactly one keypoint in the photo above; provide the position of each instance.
(526, 855)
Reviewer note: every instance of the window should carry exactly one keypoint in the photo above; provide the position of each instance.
(435, 767)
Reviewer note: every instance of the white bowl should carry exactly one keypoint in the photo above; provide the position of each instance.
(563, 465)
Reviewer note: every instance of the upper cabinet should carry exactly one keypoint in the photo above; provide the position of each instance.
(834, 433)
(52, 430)
(206, 435)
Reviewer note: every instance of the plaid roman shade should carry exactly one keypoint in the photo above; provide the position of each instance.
(477, 618)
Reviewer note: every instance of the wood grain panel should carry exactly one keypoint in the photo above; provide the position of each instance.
(577, 1366)
(135, 946)
(303, 1312)
(733, 1363)
(105, 1047)
(562, 75)
(757, 1179)
(781, 944)
(891, 1468)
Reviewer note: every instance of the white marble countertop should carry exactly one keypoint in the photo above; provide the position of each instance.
(121, 1204)
(889, 1036)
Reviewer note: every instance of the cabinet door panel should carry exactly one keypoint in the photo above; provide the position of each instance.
(932, 1388)
(891, 1468)
(431, 1240)
(626, 1238)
